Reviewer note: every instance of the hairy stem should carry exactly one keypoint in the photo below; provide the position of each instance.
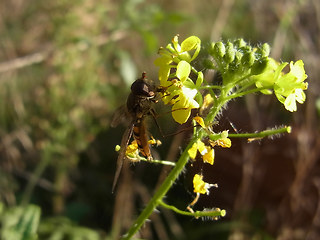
(160, 193)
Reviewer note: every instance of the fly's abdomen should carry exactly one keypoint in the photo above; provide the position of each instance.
(141, 137)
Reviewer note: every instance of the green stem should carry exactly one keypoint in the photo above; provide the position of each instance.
(262, 134)
(210, 87)
(161, 192)
(245, 93)
(196, 214)
(163, 162)
(220, 101)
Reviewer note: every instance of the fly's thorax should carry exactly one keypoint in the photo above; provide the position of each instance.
(138, 107)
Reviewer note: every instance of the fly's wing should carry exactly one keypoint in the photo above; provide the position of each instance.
(122, 155)
(120, 116)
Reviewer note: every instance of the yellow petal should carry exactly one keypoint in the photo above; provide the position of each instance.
(202, 148)
(290, 103)
(193, 151)
(179, 114)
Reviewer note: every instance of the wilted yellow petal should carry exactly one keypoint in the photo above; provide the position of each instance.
(132, 148)
(209, 156)
(207, 102)
(199, 186)
(200, 121)
(153, 141)
(224, 142)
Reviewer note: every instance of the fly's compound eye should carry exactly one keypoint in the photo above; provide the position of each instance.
(141, 88)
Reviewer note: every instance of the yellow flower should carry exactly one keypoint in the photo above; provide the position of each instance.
(181, 109)
(194, 149)
(199, 145)
(180, 90)
(289, 87)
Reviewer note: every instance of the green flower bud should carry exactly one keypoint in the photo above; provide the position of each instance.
(248, 59)
(259, 66)
(264, 50)
(239, 43)
(246, 49)
(219, 50)
(230, 53)
(238, 57)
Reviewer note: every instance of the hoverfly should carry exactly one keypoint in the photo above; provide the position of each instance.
(138, 106)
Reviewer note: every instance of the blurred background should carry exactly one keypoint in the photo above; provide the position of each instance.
(66, 66)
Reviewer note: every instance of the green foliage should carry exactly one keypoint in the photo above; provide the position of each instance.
(19, 223)
(60, 228)
(61, 99)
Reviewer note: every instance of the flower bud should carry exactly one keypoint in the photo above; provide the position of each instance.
(259, 66)
(218, 50)
(264, 50)
(239, 43)
(230, 53)
(238, 57)
(248, 59)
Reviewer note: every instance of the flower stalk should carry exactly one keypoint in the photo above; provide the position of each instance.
(156, 200)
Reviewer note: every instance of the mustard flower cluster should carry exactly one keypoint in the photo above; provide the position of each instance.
(243, 67)
(180, 90)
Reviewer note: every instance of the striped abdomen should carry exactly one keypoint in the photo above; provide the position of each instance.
(141, 137)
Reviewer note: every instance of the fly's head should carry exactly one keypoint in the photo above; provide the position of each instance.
(142, 96)
(143, 88)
